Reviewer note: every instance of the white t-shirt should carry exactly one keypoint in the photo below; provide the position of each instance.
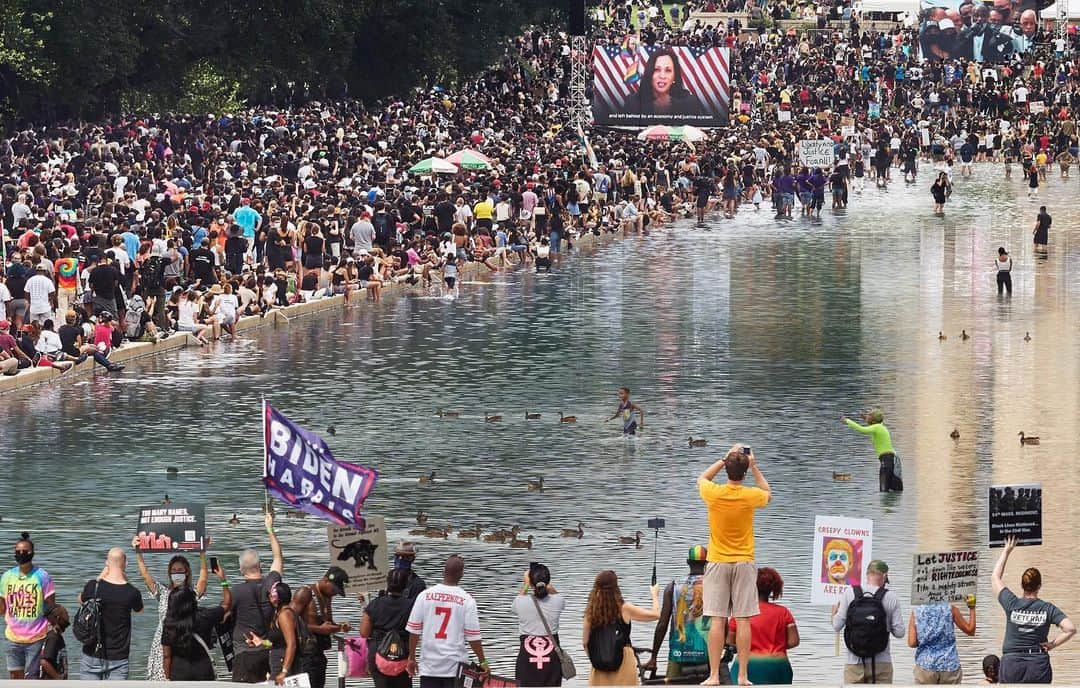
(445, 618)
(186, 311)
(227, 305)
(38, 288)
(5, 296)
(49, 342)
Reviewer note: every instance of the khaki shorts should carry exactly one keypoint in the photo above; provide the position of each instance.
(860, 673)
(926, 677)
(730, 590)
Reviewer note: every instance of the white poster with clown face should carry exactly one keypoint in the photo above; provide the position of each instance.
(842, 550)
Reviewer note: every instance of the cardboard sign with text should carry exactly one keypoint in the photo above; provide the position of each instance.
(816, 153)
(172, 528)
(362, 555)
(944, 576)
(842, 549)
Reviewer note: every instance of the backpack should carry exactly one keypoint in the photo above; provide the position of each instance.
(392, 654)
(384, 228)
(150, 273)
(866, 629)
(87, 624)
(136, 308)
(606, 645)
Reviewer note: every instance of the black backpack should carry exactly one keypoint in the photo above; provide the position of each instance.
(866, 629)
(150, 274)
(606, 646)
(392, 647)
(87, 623)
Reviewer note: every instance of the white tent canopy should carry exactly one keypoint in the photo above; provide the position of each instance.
(890, 6)
(1073, 7)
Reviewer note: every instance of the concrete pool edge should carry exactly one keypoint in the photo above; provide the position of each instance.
(33, 377)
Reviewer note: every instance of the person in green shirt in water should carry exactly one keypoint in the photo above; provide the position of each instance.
(888, 478)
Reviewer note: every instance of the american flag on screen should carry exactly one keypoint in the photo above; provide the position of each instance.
(617, 73)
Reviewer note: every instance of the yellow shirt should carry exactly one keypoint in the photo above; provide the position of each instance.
(731, 519)
(483, 210)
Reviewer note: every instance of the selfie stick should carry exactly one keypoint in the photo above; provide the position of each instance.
(657, 524)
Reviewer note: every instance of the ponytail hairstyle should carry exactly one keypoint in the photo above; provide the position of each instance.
(540, 577)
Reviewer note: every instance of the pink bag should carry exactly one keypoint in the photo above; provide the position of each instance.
(356, 657)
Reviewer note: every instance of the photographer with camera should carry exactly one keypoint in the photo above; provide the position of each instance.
(730, 583)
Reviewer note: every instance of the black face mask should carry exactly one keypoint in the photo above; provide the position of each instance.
(24, 557)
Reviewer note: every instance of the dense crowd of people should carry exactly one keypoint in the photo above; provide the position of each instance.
(142, 225)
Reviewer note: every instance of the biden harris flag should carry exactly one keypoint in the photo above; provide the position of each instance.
(300, 471)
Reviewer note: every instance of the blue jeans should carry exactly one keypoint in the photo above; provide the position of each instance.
(96, 669)
(556, 241)
(25, 657)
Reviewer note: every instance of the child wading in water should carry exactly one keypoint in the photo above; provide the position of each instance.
(627, 409)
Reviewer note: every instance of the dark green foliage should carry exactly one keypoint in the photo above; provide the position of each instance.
(82, 58)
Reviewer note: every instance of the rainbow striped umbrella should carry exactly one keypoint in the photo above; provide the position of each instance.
(662, 132)
(469, 159)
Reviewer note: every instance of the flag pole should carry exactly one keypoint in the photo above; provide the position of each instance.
(266, 490)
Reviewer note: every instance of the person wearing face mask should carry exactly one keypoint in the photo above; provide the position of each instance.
(179, 576)
(26, 591)
(404, 556)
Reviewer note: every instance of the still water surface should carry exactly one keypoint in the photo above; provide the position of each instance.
(758, 332)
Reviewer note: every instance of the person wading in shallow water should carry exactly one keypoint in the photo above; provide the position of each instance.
(889, 479)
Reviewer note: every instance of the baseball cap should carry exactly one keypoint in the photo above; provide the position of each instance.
(405, 548)
(877, 566)
(338, 578)
(697, 553)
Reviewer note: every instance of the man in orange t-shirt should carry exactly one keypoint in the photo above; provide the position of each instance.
(730, 584)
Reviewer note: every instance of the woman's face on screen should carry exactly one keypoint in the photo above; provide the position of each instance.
(663, 75)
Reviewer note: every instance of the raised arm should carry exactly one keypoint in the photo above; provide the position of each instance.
(759, 479)
(967, 626)
(200, 584)
(637, 613)
(997, 581)
(864, 429)
(709, 473)
(147, 577)
(278, 563)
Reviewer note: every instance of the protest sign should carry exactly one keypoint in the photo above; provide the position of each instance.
(816, 153)
(361, 553)
(842, 549)
(1016, 510)
(944, 576)
(783, 116)
(1036, 107)
(171, 528)
(300, 470)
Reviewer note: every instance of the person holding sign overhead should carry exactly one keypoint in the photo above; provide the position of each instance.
(179, 571)
(1025, 652)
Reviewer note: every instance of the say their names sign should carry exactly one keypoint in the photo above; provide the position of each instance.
(944, 576)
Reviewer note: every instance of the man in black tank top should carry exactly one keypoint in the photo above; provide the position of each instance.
(316, 602)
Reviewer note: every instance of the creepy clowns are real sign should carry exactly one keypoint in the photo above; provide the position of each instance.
(362, 554)
(172, 528)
